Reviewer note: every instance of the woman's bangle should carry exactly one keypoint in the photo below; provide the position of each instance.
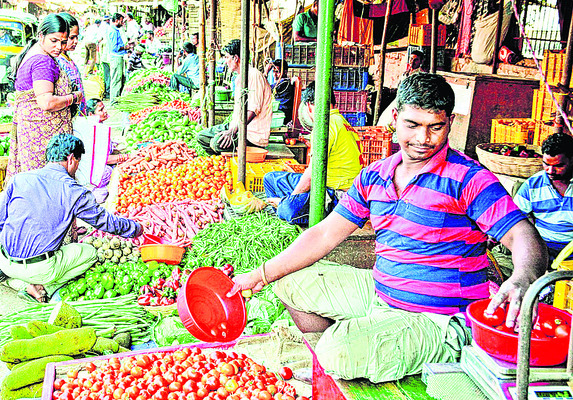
(263, 275)
(69, 100)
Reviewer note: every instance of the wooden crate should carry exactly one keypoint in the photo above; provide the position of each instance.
(553, 65)
(421, 35)
(544, 107)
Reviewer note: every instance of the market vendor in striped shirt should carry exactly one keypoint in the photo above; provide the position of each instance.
(548, 195)
(432, 209)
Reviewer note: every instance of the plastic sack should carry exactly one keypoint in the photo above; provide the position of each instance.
(484, 39)
(97, 143)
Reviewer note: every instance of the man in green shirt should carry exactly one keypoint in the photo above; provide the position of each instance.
(305, 25)
(290, 192)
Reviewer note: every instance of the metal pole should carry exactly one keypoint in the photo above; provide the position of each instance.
(173, 44)
(525, 324)
(322, 110)
(202, 77)
(381, 64)
(434, 43)
(497, 38)
(212, 61)
(244, 85)
(564, 85)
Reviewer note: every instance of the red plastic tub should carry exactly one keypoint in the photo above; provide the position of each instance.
(206, 311)
(503, 345)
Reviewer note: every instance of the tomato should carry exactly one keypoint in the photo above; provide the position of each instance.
(175, 386)
(228, 369)
(562, 330)
(498, 317)
(505, 329)
(285, 373)
(548, 326)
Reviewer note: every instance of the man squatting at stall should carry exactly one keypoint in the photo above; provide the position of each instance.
(36, 211)
(548, 195)
(224, 137)
(432, 209)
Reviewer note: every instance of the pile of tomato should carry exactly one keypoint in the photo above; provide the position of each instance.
(186, 374)
(199, 179)
(546, 327)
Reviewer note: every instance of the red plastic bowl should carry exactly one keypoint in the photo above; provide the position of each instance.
(206, 311)
(502, 345)
(152, 239)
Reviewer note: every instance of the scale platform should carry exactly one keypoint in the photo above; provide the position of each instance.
(496, 378)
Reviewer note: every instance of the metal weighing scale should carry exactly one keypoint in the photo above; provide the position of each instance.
(497, 379)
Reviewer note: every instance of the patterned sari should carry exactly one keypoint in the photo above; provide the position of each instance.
(71, 69)
(33, 128)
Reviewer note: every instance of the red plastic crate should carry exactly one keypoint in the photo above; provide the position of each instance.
(349, 102)
(306, 75)
(376, 142)
(352, 56)
(421, 35)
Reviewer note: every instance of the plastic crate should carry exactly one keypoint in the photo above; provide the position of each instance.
(376, 142)
(349, 102)
(553, 65)
(543, 129)
(355, 119)
(545, 108)
(512, 130)
(306, 75)
(440, 54)
(300, 54)
(256, 172)
(421, 35)
(352, 56)
(348, 79)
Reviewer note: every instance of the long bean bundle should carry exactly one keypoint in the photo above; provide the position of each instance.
(244, 242)
(107, 316)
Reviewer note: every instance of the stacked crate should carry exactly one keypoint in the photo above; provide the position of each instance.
(349, 75)
(420, 38)
(349, 79)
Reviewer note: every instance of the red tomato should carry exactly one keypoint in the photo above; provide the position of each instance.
(548, 326)
(285, 373)
(498, 317)
(175, 387)
(505, 329)
(90, 367)
(562, 330)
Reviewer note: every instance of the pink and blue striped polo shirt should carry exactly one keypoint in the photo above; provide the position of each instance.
(431, 241)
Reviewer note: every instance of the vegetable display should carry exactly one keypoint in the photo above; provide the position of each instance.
(158, 155)
(135, 101)
(165, 125)
(194, 113)
(177, 222)
(109, 317)
(242, 201)
(199, 179)
(4, 145)
(163, 289)
(4, 119)
(514, 151)
(113, 249)
(188, 373)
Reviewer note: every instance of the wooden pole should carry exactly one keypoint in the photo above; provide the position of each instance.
(173, 43)
(434, 43)
(381, 64)
(564, 84)
(202, 77)
(212, 61)
(495, 63)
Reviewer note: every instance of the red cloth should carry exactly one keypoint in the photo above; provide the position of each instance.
(354, 29)
(465, 35)
(379, 10)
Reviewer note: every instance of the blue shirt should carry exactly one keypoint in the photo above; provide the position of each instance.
(38, 207)
(115, 42)
(553, 213)
(190, 68)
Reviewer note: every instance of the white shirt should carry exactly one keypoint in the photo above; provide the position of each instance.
(92, 34)
(132, 30)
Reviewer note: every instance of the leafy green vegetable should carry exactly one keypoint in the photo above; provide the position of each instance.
(169, 331)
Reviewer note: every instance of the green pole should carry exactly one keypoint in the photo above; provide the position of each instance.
(322, 110)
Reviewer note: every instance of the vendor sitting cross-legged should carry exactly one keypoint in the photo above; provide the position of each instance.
(290, 192)
(432, 209)
(36, 211)
(548, 195)
(224, 137)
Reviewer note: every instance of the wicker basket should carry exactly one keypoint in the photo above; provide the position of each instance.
(514, 166)
(6, 128)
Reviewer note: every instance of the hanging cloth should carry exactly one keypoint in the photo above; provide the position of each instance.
(354, 29)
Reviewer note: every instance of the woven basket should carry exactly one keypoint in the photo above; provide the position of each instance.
(514, 166)
(6, 128)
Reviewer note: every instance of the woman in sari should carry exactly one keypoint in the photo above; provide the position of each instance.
(68, 65)
(43, 97)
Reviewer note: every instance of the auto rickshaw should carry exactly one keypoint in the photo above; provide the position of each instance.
(16, 30)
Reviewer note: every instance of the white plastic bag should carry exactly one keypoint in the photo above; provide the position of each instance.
(97, 143)
(484, 39)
